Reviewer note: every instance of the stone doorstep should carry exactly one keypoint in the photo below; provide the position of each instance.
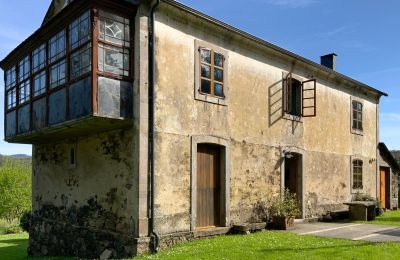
(218, 231)
(248, 228)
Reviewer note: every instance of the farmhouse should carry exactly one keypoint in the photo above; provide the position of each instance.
(153, 123)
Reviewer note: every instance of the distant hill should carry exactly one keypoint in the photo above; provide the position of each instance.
(20, 156)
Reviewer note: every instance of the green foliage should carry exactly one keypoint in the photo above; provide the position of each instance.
(15, 187)
(285, 206)
(363, 197)
(9, 226)
(25, 220)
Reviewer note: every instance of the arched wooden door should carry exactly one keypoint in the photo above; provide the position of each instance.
(208, 186)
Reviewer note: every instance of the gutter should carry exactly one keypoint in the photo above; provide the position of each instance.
(155, 238)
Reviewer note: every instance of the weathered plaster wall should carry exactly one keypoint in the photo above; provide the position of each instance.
(252, 121)
(84, 209)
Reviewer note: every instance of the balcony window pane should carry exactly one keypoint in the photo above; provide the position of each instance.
(114, 29)
(11, 98)
(81, 62)
(57, 46)
(57, 74)
(24, 68)
(113, 59)
(39, 84)
(10, 78)
(80, 30)
(39, 58)
(24, 91)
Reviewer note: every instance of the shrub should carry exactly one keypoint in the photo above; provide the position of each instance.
(15, 188)
(363, 197)
(285, 206)
(25, 220)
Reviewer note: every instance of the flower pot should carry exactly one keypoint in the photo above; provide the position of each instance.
(282, 223)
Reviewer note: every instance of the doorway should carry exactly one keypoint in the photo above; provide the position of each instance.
(208, 186)
(385, 187)
(294, 178)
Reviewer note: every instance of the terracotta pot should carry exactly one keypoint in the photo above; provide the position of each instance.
(282, 223)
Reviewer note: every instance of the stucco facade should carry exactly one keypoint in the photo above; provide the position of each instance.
(94, 188)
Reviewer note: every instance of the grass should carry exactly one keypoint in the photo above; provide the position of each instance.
(279, 245)
(391, 218)
(262, 245)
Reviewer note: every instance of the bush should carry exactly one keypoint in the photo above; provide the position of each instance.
(25, 220)
(15, 188)
(286, 206)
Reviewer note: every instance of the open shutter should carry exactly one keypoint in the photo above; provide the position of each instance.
(286, 95)
(309, 98)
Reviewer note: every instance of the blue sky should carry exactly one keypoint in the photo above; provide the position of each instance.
(364, 33)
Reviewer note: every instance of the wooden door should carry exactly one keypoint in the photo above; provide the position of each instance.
(208, 186)
(383, 187)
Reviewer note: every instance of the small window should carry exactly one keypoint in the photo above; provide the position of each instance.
(81, 62)
(57, 47)
(357, 108)
(72, 157)
(293, 97)
(299, 97)
(80, 31)
(24, 91)
(212, 73)
(57, 74)
(357, 174)
(39, 84)
(24, 69)
(39, 58)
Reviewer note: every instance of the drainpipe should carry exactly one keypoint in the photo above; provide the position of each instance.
(155, 238)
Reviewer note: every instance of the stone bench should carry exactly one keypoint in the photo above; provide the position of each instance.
(361, 210)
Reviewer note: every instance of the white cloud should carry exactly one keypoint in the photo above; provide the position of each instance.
(390, 117)
(292, 3)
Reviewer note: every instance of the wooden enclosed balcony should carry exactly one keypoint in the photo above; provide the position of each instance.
(73, 76)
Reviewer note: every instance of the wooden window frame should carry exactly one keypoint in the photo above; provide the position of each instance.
(206, 97)
(353, 130)
(357, 163)
(308, 97)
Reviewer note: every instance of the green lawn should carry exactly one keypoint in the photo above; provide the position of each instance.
(391, 218)
(263, 245)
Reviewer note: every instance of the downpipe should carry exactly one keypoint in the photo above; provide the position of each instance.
(155, 238)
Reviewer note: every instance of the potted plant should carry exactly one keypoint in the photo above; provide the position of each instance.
(283, 210)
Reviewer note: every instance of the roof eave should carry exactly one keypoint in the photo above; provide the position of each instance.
(269, 45)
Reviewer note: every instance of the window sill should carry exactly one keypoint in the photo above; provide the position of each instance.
(210, 99)
(292, 117)
(357, 132)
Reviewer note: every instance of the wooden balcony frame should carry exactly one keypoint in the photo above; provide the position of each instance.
(42, 36)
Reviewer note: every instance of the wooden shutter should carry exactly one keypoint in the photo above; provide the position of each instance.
(309, 98)
(287, 93)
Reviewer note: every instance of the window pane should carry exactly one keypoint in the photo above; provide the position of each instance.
(354, 105)
(39, 58)
(39, 84)
(81, 62)
(11, 98)
(205, 56)
(24, 69)
(113, 59)
(205, 86)
(218, 75)
(218, 90)
(360, 126)
(24, 92)
(80, 30)
(218, 60)
(57, 46)
(114, 29)
(206, 71)
(10, 78)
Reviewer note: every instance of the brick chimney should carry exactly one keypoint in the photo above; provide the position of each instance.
(329, 61)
